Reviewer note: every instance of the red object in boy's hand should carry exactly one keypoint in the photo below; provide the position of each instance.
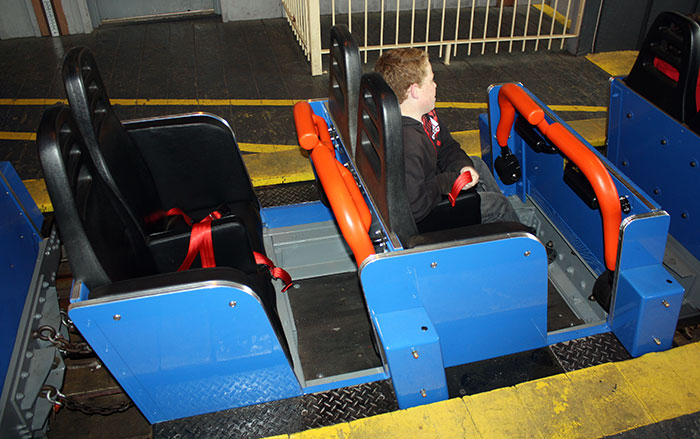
(462, 180)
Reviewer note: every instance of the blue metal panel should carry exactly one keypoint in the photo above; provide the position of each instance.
(295, 214)
(485, 137)
(187, 352)
(648, 299)
(543, 182)
(658, 153)
(467, 289)
(19, 247)
(413, 356)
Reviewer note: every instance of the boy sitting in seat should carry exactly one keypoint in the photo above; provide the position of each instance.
(434, 159)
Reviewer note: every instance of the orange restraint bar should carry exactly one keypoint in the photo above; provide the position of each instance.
(512, 97)
(348, 205)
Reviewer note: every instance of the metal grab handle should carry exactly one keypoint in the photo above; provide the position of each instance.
(346, 200)
(512, 97)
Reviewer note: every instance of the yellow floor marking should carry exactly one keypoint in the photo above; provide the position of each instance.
(560, 411)
(608, 394)
(451, 419)
(500, 414)
(614, 63)
(37, 189)
(684, 361)
(548, 10)
(281, 167)
(582, 108)
(463, 105)
(265, 148)
(13, 135)
(666, 401)
(330, 432)
(32, 101)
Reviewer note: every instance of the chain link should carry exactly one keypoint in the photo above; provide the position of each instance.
(58, 399)
(49, 334)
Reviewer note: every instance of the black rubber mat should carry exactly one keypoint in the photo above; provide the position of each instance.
(509, 370)
(682, 427)
(334, 331)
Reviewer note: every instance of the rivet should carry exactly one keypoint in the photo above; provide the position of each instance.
(657, 341)
(423, 393)
(433, 264)
(528, 253)
(684, 215)
(664, 141)
(665, 303)
(232, 304)
(117, 317)
(629, 115)
(693, 164)
(414, 353)
(19, 396)
(624, 163)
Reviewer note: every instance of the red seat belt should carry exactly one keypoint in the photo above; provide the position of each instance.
(201, 243)
(462, 180)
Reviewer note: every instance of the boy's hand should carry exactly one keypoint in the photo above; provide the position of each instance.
(475, 177)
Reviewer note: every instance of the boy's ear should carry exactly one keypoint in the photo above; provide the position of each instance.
(412, 91)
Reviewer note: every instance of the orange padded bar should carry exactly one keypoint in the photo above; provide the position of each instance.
(348, 205)
(602, 182)
(510, 98)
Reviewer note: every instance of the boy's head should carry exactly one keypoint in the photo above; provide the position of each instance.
(410, 75)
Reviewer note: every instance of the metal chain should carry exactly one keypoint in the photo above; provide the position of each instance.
(49, 334)
(58, 399)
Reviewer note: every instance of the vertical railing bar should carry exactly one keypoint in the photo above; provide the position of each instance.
(539, 27)
(527, 22)
(398, 7)
(486, 26)
(366, 30)
(381, 29)
(314, 13)
(554, 20)
(350, 15)
(579, 16)
(442, 27)
(500, 19)
(471, 29)
(427, 26)
(566, 23)
(332, 12)
(459, 9)
(512, 25)
(413, 21)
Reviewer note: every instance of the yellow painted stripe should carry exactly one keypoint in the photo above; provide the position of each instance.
(265, 148)
(268, 102)
(12, 135)
(604, 400)
(559, 17)
(166, 102)
(614, 63)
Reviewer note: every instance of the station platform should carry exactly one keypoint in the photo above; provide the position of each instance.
(251, 73)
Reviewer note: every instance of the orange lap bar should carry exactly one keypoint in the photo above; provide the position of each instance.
(512, 97)
(348, 205)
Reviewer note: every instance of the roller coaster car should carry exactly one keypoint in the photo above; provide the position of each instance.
(653, 127)
(183, 343)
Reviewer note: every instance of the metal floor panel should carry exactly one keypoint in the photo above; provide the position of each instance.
(589, 351)
(286, 416)
(285, 194)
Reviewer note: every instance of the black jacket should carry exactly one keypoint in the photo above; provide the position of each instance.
(432, 165)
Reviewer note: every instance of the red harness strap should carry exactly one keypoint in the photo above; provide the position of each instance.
(201, 244)
(462, 180)
(276, 272)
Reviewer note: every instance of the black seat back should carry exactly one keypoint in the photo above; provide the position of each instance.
(344, 72)
(379, 156)
(672, 38)
(114, 153)
(101, 239)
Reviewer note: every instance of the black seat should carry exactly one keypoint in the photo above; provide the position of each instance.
(190, 162)
(106, 248)
(672, 38)
(379, 158)
(344, 72)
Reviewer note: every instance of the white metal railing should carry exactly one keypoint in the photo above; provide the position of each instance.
(451, 26)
